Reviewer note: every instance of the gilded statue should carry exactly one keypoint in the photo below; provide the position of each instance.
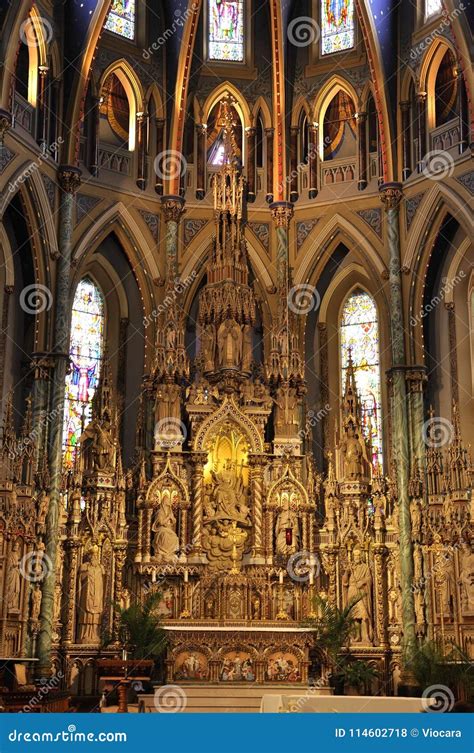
(35, 606)
(165, 540)
(229, 343)
(91, 598)
(286, 410)
(357, 582)
(102, 445)
(247, 348)
(229, 496)
(354, 452)
(208, 346)
(13, 588)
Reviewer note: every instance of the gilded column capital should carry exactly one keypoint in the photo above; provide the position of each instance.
(416, 378)
(172, 208)
(282, 213)
(69, 178)
(391, 195)
(5, 123)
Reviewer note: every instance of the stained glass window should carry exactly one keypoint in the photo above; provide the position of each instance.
(226, 30)
(85, 352)
(360, 334)
(433, 8)
(337, 25)
(121, 18)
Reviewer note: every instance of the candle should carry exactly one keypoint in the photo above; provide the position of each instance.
(281, 577)
(186, 576)
(153, 577)
(311, 577)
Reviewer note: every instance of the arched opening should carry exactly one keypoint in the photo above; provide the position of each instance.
(215, 133)
(372, 138)
(359, 340)
(445, 90)
(85, 353)
(339, 127)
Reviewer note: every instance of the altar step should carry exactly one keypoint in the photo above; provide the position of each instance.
(222, 698)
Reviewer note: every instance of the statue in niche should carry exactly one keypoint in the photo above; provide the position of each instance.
(229, 495)
(287, 532)
(286, 410)
(357, 582)
(35, 607)
(13, 589)
(354, 453)
(174, 401)
(91, 598)
(43, 505)
(102, 445)
(208, 345)
(229, 343)
(165, 540)
(415, 518)
(466, 567)
(247, 348)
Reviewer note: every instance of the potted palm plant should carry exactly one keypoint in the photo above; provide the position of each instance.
(332, 629)
(358, 676)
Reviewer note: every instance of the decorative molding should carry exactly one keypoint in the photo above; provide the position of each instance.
(50, 188)
(467, 180)
(6, 156)
(373, 218)
(303, 229)
(192, 228)
(84, 205)
(411, 205)
(262, 231)
(153, 222)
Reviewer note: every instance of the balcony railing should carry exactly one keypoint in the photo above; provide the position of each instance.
(115, 160)
(447, 137)
(24, 113)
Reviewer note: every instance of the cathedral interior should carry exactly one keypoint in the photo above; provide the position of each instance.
(237, 333)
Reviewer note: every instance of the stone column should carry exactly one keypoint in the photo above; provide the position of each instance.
(250, 134)
(42, 109)
(200, 459)
(7, 291)
(380, 611)
(313, 159)
(141, 123)
(72, 549)
(421, 130)
(269, 133)
(416, 377)
(391, 194)
(173, 209)
(93, 137)
(160, 134)
(256, 480)
(120, 556)
(463, 111)
(42, 366)
(406, 146)
(453, 352)
(294, 130)
(362, 149)
(201, 159)
(69, 179)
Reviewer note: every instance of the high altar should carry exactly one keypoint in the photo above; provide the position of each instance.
(223, 512)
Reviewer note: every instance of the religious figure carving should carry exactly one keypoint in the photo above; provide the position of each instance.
(35, 607)
(229, 495)
(102, 445)
(13, 588)
(466, 582)
(43, 505)
(208, 344)
(287, 532)
(229, 343)
(357, 582)
(91, 598)
(354, 452)
(165, 540)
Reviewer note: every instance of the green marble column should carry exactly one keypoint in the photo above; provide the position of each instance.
(282, 212)
(69, 180)
(391, 194)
